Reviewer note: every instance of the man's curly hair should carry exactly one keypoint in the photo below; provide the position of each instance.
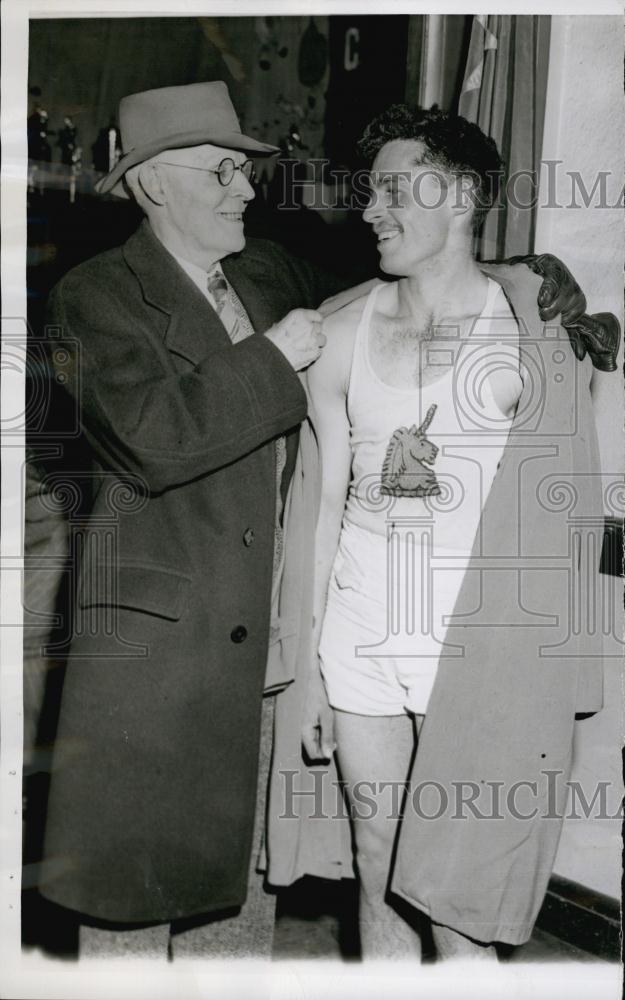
(453, 144)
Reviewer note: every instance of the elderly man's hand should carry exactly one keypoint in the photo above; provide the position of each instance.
(299, 337)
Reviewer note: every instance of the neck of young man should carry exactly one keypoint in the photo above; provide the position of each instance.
(447, 286)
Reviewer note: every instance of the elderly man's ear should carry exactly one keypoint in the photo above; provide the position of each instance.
(149, 180)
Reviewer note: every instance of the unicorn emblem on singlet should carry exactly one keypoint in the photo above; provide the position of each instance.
(405, 471)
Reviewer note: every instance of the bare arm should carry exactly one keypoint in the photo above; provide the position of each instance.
(328, 381)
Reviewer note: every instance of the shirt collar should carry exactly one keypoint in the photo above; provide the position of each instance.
(197, 274)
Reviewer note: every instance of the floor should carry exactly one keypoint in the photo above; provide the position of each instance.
(317, 919)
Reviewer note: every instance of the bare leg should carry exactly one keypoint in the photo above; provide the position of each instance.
(452, 944)
(373, 750)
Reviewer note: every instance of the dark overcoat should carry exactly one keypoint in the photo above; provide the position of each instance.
(153, 785)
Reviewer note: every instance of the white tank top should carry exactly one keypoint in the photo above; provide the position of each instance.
(430, 454)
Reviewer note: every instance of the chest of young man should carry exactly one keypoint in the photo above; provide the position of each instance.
(416, 353)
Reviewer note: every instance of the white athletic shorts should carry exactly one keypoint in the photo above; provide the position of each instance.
(385, 622)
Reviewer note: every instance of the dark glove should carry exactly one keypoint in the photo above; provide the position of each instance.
(599, 334)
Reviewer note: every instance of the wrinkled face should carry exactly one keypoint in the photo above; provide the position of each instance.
(409, 207)
(206, 216)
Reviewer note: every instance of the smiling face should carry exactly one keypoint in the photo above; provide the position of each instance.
(201, 219)
(410, 207)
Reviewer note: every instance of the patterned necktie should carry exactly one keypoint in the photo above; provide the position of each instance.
(228, 306)
(218, 287)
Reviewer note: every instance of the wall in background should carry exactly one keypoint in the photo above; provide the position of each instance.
(84, 66)
(584, 128)
(276, 69)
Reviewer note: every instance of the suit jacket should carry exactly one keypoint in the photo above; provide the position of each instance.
(153, 785)
(502, 710)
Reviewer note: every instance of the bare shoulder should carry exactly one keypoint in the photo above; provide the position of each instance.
(332, 368)
(344, 322)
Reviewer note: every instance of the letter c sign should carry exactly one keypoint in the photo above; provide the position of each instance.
(351, 58)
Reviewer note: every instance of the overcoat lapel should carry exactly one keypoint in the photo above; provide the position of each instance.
(193, 323)
(193, 328)
(253, 298)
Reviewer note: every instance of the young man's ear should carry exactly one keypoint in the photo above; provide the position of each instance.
(149, 181)
(464, 191)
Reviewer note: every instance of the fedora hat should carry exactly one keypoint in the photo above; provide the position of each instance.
(173, 117)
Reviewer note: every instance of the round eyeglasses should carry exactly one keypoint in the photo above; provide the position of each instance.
(225, 170)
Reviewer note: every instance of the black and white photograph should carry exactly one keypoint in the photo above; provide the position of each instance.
(312, 500)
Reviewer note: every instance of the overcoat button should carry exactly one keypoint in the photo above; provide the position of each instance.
(248, 537)
(239, 633)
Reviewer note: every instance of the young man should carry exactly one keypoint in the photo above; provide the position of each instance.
(424, 399)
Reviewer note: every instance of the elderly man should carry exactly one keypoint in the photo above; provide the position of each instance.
(154, 780)
(157, 794)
